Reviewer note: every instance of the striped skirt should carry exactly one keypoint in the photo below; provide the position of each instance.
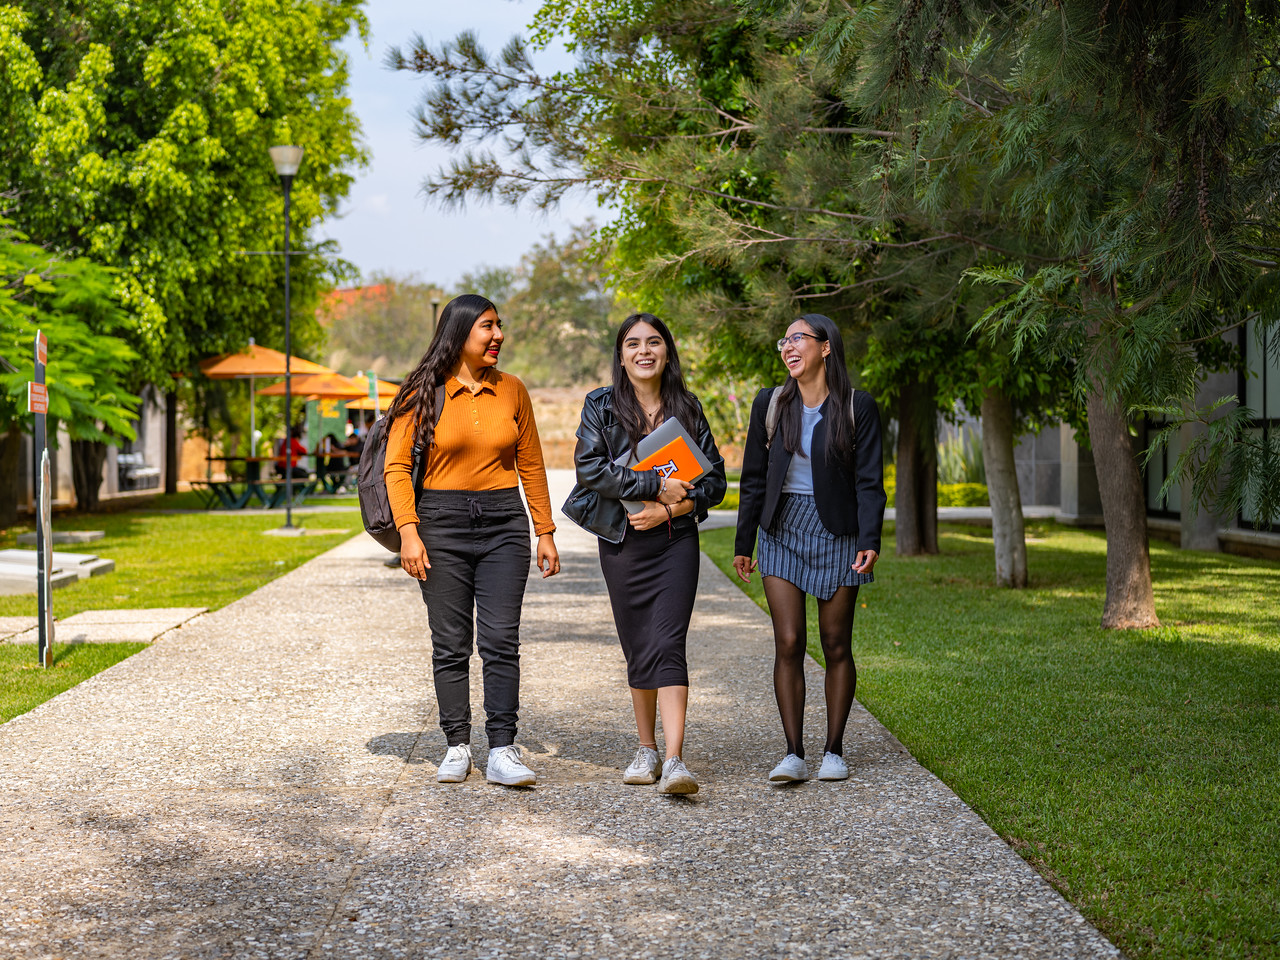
(800, 550)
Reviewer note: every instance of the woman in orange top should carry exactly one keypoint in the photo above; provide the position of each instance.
(465, 535)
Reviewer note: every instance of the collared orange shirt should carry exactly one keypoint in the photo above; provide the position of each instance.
(484, 441)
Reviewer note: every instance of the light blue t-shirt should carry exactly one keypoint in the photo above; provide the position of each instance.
(799, 478)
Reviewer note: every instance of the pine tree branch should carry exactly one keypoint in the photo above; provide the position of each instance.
(973, 103)
(855, 131)
(1218, 333)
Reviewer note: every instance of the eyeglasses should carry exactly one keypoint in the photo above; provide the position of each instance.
(796, 339)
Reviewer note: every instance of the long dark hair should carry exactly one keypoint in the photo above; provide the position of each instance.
(417, 395)
(677, 401)
(839, 388)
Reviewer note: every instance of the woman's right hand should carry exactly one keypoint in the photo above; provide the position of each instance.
(744, 566)
(676, 490)
(413, 553)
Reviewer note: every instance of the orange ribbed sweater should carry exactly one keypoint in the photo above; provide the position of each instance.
(483, 440)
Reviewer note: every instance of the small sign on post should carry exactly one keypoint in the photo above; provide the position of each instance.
(38, 404)
(37, 398)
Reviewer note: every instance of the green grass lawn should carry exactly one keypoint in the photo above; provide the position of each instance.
(1138, 771)
(181, 560)
(162, 560)
(24, 684)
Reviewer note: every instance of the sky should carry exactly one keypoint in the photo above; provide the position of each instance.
(386, 224)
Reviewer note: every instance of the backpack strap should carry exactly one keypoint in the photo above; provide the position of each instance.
(771, 416)
(418, 471)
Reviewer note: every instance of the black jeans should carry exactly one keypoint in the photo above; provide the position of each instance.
(478, 547)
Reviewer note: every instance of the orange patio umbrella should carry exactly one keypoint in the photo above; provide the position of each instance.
(253, 362)
(256, 361)
(323, 386)
(385, 387)
(386, 392)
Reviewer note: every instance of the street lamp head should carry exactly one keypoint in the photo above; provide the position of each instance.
(286, 159)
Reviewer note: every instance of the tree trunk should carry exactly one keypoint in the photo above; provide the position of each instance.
(171, 442)
(1002, 487)
(916, 497)
(1130, 602)
(87, 457)
(10, 474)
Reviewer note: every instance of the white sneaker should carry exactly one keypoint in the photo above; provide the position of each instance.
(676, 778)
(506, 767)
(790, 770)
(833, 767)
(456, 764)
(644, 768)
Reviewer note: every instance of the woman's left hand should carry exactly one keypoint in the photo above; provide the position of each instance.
(864, 560)
(653, 514)
(548, 556)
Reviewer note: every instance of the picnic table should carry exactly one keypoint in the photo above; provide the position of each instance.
(238, 494)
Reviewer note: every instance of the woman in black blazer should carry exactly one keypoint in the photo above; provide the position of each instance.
(649, 558)
(813, 486)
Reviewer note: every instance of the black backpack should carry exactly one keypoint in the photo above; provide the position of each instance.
(371, 484)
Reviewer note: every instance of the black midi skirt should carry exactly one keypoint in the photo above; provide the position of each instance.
(652, 576)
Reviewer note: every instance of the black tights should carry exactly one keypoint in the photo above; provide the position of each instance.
(835, 627)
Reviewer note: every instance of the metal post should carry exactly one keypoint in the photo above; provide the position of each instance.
(288, 381)
(37, 403)
(286, 160)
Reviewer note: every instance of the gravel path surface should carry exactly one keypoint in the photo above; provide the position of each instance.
(261, 783)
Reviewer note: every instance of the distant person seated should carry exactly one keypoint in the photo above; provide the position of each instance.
(334, 450)
(334, 459)
(355, 443)
(296, 449)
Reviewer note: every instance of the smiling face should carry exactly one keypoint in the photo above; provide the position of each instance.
(644, 354)
(484, 342)
(804, 355)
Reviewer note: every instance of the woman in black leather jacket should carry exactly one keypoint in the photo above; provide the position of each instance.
(649, 558)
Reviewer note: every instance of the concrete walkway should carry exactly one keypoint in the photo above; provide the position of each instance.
(261, 783)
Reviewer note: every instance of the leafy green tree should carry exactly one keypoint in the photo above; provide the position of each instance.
(72, 303)
(1116, 163)
(137, 136)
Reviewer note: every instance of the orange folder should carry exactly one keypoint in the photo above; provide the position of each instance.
(670, 452)
(673, 459)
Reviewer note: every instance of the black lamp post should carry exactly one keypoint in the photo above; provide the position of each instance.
(287, 160)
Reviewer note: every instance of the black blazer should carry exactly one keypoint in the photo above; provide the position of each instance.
(596, 500)
(848, 505)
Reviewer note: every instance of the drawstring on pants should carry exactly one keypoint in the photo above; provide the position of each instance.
(474, 509)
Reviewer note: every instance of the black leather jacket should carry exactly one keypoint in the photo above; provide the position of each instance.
(602, 484)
